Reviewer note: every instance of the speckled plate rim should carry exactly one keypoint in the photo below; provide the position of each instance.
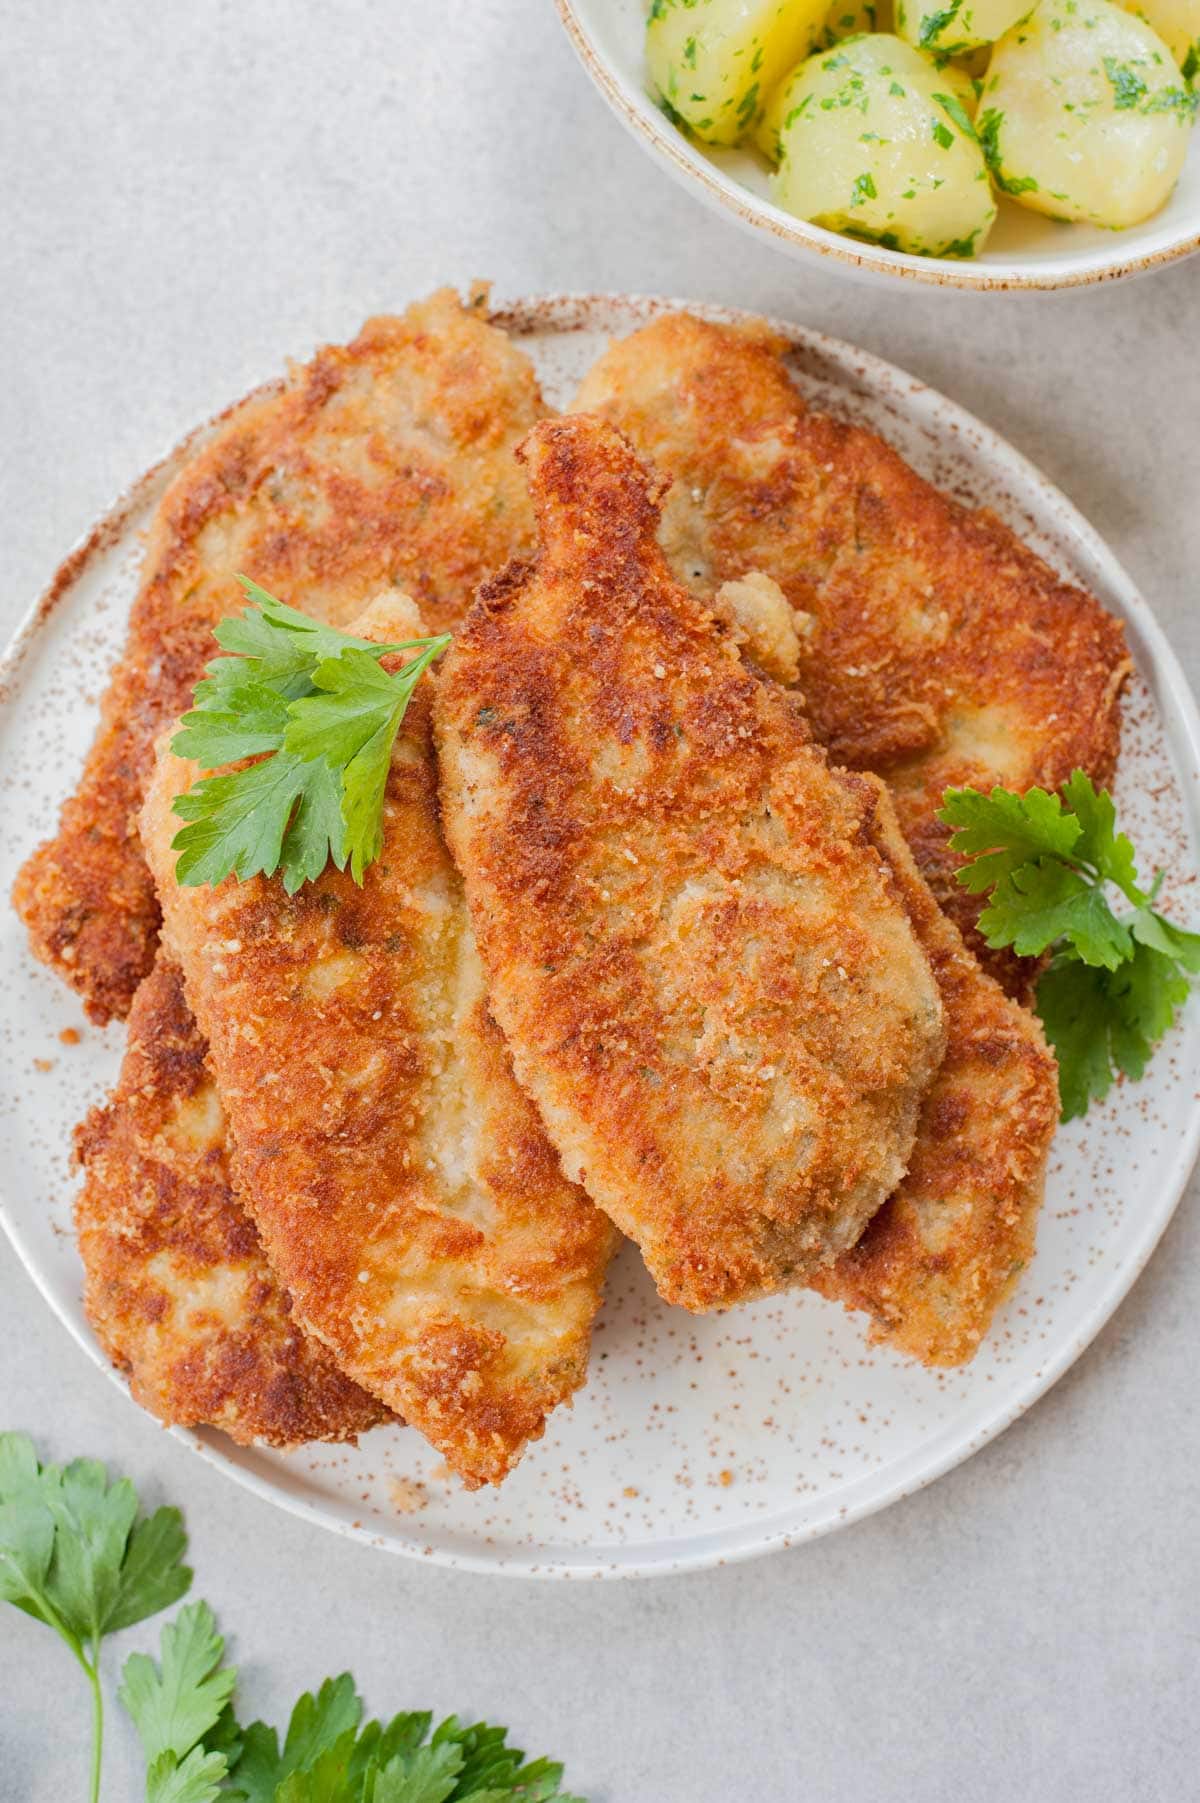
(727, 196)
(1158, 665)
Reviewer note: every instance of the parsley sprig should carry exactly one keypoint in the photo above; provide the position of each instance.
(313, 708)
(76, 1554)
(1114, 981)
(197, 1753)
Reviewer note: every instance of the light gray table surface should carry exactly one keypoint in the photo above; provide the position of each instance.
(190, 194)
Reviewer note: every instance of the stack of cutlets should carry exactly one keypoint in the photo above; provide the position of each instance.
(664, 939)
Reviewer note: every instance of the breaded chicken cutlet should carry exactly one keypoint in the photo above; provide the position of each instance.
(942, 1253)
(703, 967)
(401, 1183)
(178, 1289)
(936, 649)
(387, 461)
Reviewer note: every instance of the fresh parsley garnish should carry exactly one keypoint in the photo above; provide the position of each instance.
(327, 1752)
(1114, 982)
(319, 716)
(76, 1554)
(197, 1753)
(175, 1705)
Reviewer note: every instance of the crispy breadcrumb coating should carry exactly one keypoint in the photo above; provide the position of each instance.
(178, 1287)
(936, 649)
(401, 1183)
(936, 1261)
(386, 461)
(704, 968)
(945, 1249)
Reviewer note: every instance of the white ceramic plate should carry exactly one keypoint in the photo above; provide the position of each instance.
(1023, 250)
(697, 1440)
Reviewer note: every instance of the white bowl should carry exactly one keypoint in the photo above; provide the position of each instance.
(1023, 251)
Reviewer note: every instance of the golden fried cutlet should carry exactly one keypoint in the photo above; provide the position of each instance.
(401, 1182)
(936, 648)
(938, 1258)
(178, 1289)
(704, 970)
(385, 461)
(943, 1251)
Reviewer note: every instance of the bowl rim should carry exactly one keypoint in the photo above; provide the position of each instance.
(730, 197)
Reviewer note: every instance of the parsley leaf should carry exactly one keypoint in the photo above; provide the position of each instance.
(428, 1775)
(315, 708)
(26, 1531)
(351, 723)
(235, 721)
(75, 1555)
(1113, 984)
(196, 1779)
(280, 643)
(1074, 1010)
(327, 1759)
(176, 1704)
(280, 811)
(1108, 852)
(1145, 993)
(1150, 928)
(182, 1712)
(318, 1724)
(1097, 1020)
(72, 1551)
(1002, 831)
(1044, 901)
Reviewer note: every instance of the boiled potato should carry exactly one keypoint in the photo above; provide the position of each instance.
(715, 61)
(1177, 23)
(1084, 114)
(781, 103)
(959, 25)
(876, 141)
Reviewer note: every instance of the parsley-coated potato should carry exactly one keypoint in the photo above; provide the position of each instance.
(1085, 115)
(781, 103)
(1177, 23)
(876, 141)
(955, 26)
(714, 62)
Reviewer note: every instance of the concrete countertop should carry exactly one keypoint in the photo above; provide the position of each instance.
(194, 194)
